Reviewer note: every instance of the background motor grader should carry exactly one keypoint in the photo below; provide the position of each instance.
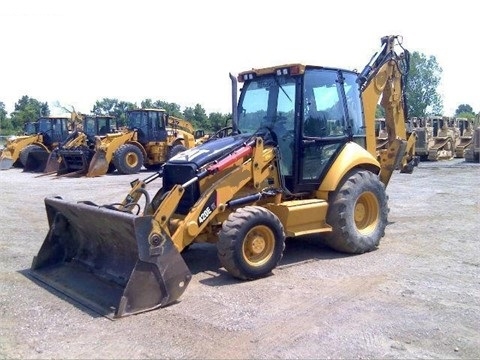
(301, 160)
(151, 137)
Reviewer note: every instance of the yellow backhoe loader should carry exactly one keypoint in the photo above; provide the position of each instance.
(301, 160)
(31, 151)
(150, 139)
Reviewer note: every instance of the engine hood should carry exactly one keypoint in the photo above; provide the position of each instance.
(209, 151)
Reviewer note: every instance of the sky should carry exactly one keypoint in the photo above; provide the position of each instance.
(73, 53)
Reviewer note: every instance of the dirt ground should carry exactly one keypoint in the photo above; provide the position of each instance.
(417, 296)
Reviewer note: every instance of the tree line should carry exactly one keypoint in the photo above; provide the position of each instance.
(422, 95)
(28, 109)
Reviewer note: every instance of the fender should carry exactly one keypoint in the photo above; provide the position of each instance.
(352, 156)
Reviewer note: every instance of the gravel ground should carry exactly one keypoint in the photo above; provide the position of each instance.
(417, 296)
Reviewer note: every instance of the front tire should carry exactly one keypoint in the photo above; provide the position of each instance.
(128, 159)
(358, 214)
(23, 156)
(251, 243)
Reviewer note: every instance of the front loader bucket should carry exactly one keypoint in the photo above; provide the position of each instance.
(6, 163)
(53, 163)
(98, 165)
(37, 160)
(75, 161)
(103, 259)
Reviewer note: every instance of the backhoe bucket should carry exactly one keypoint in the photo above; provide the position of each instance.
(37, 160)
(98, 165)
(53, 163)
(103, 259)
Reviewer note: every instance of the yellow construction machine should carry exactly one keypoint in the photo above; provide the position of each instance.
(472, 150)
(74, 155)
(465, 135)
(443, 139)
(31, 151)
(301, 160)
(150, 139)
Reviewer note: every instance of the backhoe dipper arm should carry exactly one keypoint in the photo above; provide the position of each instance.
(385, 77)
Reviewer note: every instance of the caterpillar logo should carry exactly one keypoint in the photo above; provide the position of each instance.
(210, 206)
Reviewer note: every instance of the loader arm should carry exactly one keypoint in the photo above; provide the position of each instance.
(384, 79)
(249, 165)
(180, 123)
(11, 153)
(105, 147)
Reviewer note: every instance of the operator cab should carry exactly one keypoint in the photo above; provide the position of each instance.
(310, 112)
(150, 124)
(53, 129)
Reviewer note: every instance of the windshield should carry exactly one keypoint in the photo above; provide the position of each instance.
(89, 127)
(30, 128)
(137, 119)
(266, 102)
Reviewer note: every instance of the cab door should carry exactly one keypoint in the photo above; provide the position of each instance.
(325, 124)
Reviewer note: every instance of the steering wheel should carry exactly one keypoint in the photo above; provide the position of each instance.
(223, 132)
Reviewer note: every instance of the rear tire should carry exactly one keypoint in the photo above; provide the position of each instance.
(176, 149)
(24, 153)
(358, 214)
(251, 243)
(128, 159)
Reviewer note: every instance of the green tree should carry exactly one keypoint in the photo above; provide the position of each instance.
(217, 121)
(423, 80)
(171, 108)
(5, 123)
(28, 110)
(113, 107)
(379, 112)
(197, 116)
(465, 111)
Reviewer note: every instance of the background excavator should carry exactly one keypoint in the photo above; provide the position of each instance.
(301, 160)
(150, 139)
(31, 151)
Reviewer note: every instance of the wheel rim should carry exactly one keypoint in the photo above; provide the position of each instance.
(258, 245)
(366, 213)
(131, 159)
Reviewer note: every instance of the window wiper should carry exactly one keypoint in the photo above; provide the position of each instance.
(281, 88)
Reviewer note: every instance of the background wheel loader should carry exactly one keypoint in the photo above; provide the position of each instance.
(301, 160)
(151, 137)
(10, 155)
(73, 157)
(32, 151)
